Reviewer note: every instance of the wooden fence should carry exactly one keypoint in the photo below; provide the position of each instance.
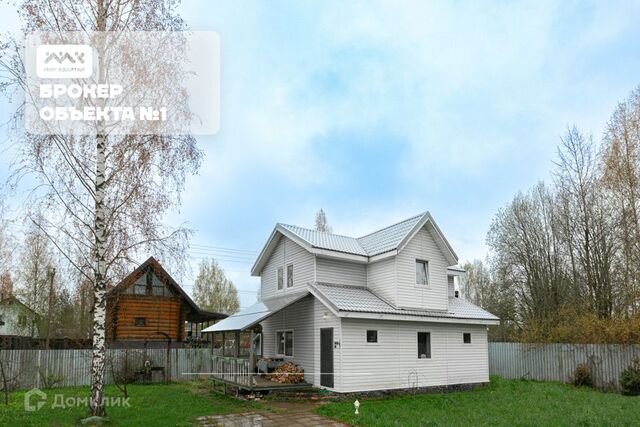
(39, 368)
(557, 362)
(543, 362)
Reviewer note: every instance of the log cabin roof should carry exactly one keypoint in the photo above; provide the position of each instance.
(196, 314)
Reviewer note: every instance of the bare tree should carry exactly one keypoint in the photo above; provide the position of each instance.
(105, 195)
(621, 177)
(35, 259)
(570, 250)
(524, 240)
(321, 222)
(588, 227)
(5, 254)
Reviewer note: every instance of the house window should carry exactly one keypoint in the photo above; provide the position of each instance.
(22, 320)
(284, 341)
(424, 345)
(289, 275)
(372, 336)
(422, 272)
(466, 338)
(140, 288)
(158, 286)
(280, 278)
(1, 321)
(141, 321)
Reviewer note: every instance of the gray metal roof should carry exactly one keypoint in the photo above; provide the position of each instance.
(372, 244)
(360, 299)
(256, 313)
(390, 237)
(330, 241)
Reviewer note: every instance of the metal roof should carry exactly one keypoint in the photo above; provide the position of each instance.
(389, 238)
(330, 241)
(359, 299)
(360, 249)
(256, 313)
(372, 244)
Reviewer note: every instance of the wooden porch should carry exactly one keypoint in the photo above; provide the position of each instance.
(234, 372)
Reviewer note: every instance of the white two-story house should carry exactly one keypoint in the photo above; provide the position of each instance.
(369, 313)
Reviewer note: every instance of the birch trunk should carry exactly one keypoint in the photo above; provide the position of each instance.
(96, 402)
(100, 305)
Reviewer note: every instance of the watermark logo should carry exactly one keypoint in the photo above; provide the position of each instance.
(64, 61)
(34, 400)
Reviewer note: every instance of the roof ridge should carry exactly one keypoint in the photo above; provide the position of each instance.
(318, 231)
(393, 225)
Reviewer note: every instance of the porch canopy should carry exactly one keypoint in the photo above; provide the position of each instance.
(253, 315)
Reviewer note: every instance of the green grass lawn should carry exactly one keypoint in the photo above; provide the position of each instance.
(151, 405)
(503, 403)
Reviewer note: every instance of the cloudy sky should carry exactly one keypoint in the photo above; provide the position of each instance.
(376, 111)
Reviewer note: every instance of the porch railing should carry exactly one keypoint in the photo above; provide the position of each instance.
(232, 369)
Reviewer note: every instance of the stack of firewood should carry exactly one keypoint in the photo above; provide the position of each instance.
(287, 373)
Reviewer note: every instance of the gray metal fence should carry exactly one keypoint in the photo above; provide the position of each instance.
(36, 368)
(557, 362)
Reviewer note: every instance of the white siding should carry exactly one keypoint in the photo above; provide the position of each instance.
(305, 318)
(341, 272)
(434, 296)
(393, 362)
(298, 317)
(325, 319)
(10, 314)
(285, 253)
(381, 279)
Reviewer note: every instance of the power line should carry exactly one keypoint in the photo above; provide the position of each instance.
(223, 249)
(221, 255)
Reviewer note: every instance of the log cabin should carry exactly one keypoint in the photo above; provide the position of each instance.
(149, 308)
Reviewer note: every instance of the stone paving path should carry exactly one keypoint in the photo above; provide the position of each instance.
(283, 414)
(267, 419)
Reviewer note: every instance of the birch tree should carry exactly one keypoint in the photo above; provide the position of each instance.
(213, 291)
(35, 261)
(104, 195)
(621, 178)
(321, 222)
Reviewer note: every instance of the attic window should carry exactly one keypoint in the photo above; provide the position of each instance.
(289, 275)
(466, 338)
(422, 272)
(158, 287)
(280, 278)
(140, 287)
(372, 336)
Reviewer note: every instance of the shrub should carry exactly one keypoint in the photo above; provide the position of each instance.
(630, 379)
(582, 376)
